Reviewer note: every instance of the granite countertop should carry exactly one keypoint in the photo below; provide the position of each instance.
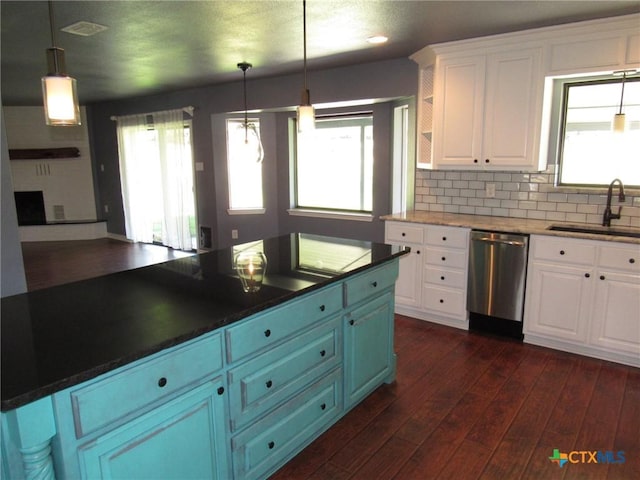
(61, 336)
(513, 225)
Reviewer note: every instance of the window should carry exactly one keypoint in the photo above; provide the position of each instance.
(333, 166)
(245, 173)
(590, 152)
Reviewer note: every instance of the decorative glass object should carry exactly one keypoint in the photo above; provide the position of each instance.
(251, 268)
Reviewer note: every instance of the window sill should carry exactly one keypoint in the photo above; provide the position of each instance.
(358, 217)
(246, 211)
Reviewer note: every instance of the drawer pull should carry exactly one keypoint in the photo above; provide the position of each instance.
(323, 353)
(486, 160)
(374, 284)
(444, 239)
(269, 384)
(601, 277)
(267, 333)
(271, 445)
(322, 308)
(632, 260)
(418, 252)
(162, 382)
(561, 252)
(587, 275)
(444, 259)
(220, 390)
(442, 277)
(323, 406)
(475, 160)
(351, 322)
(441, 300)
(404, 234)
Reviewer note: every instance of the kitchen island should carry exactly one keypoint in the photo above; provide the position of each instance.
(174, 371)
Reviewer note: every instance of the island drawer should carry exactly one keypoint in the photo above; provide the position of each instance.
(403, 232)
(273, 326)
(262, 383)
(261, 448)
(371, 282)
(450, 237)
(131, 389)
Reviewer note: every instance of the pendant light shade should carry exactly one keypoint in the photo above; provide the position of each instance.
(252, 145)
(306, 112)
(59, 91)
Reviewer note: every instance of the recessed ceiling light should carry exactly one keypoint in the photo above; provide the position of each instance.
(84, 29)
(377, 39)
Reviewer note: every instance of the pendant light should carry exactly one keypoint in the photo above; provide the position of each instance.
(306, 112)
(252, 146)
(619, 118)
(59, 89)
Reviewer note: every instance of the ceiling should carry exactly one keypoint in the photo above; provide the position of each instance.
(156, 46)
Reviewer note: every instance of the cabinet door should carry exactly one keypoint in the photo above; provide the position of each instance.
(368, 348)
(458, 111)
(409, 283)
(616, 313)
(512, 103)
(558, 301)
(183, 439)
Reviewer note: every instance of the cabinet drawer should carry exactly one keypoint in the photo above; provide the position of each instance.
(620, 258)
(441, 257)
(371, 282)
(444, 277)
(563, 250)
(451, 237)
(404, 232)
(120, 394)
(263, 447)
(445, 301)
(275, 325)
(262, 383)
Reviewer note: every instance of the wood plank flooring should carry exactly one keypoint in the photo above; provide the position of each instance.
(464, 406)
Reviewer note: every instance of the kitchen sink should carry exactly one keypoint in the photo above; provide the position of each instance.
(597, 230)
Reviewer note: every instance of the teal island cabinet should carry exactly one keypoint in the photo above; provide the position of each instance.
(175, 371)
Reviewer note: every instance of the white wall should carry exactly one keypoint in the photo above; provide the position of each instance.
(66, 182)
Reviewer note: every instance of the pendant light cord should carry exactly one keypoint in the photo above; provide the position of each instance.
(53, 35)
(624, 77)
(304, 34)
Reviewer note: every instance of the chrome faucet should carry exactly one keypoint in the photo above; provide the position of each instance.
(608, 214)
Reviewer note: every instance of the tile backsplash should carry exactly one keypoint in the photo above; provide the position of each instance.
(519, 195)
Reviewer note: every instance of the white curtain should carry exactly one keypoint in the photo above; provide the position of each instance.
(157, 178)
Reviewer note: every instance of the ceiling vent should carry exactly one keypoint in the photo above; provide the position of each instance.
(84, 29)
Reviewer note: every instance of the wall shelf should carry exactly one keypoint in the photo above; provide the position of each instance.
(43, 153)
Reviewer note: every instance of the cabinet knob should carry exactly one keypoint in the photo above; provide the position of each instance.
(561, 252)
(444, 259)
(323, 353)
(441, 300)
(271, 445)
(404, 234)
(269, 384)
(162, 382)
(486, 160)
(587, 275)
(601, 277)
(632, 260)
(442, 277)
(417, 252)
(374, 284)
(475, 160)
(220, 390)
(267, 333)
(444, 239)
(323, 406)
(351, 322)
(322, 308)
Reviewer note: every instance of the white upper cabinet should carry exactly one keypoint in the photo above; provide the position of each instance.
(490, 104)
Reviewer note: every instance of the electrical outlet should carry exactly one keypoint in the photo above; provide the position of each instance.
(490, 190)
(234, 234)
(106, 209)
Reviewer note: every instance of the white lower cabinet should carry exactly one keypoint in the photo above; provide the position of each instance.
(583, 296)
(432, 284)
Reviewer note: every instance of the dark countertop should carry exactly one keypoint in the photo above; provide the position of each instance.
(61, 336)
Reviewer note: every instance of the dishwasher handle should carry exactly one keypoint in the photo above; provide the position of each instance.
(513, 243)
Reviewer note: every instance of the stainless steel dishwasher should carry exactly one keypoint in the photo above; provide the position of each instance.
(496, 281)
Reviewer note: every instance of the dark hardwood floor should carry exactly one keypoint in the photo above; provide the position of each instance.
(463, 406)
(54, 263)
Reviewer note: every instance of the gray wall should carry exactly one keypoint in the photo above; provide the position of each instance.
(379, 80)
(12, 271)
